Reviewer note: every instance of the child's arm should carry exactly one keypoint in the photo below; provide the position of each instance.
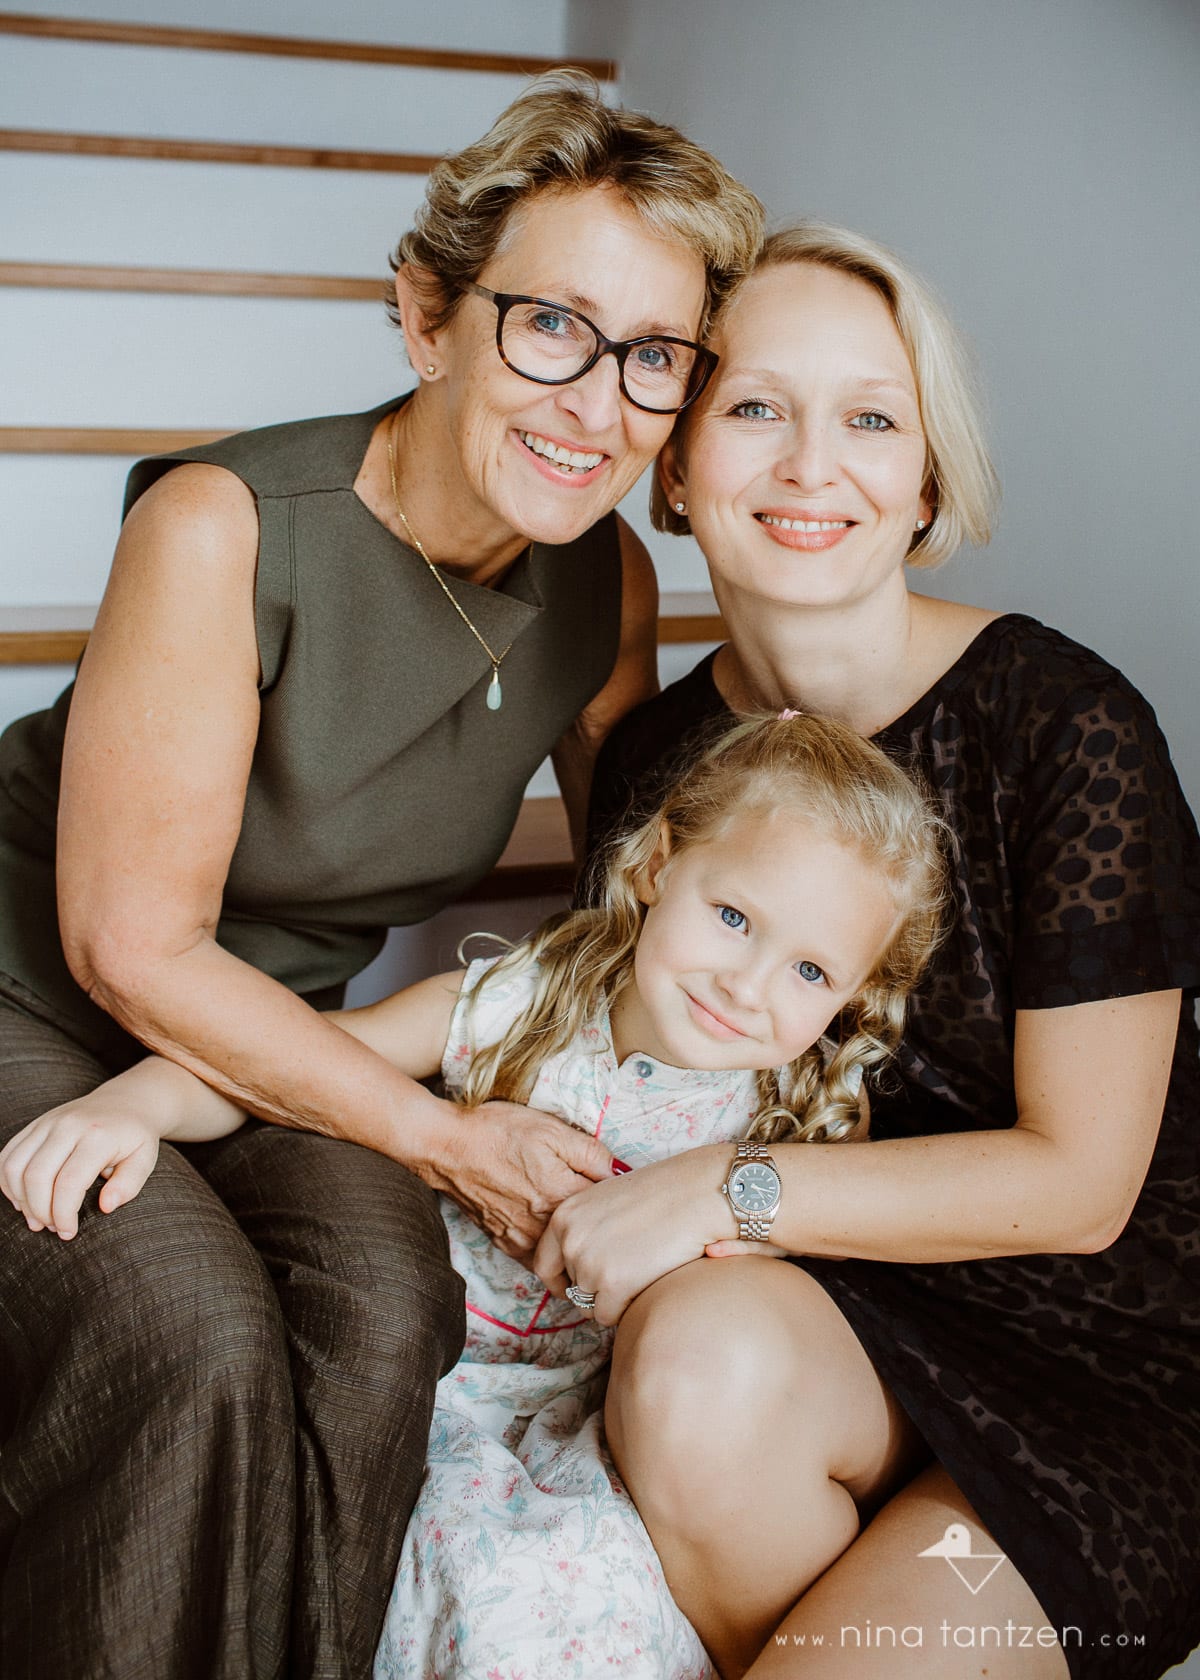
(114, 1131)
(410, 1028)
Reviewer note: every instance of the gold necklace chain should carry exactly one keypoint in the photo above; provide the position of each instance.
(495, 694)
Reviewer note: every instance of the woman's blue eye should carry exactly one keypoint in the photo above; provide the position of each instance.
(551, 321)
(810, 972)
(654, 358)
(873, 421)
(753, 409)
(732, 918)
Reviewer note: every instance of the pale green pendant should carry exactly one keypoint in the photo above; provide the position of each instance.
(495, 695)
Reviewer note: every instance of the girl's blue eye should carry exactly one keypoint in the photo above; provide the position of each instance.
(753, 409)
(873, 421)
(732, 918)
(810, 972)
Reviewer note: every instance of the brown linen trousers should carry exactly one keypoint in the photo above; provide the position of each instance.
(244, 1527)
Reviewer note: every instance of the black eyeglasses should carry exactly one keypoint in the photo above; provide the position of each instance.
(554, 345)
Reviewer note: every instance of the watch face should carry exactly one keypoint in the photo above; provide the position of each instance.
(754, 1187)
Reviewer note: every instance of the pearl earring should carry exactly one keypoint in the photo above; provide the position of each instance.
(429, 368)
(920, 524)
(680, 507)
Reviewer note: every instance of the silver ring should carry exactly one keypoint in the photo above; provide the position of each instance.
(584, 1299)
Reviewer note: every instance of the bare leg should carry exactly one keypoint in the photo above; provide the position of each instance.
(752, 1432)
(756, 1438)
(882, 1612)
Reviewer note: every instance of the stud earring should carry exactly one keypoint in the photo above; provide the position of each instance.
(429, 368)
(680, 507)
(920, 525)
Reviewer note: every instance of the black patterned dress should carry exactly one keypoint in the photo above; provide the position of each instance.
(1061, 1392)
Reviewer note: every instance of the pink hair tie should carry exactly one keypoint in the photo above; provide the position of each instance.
(787, 713)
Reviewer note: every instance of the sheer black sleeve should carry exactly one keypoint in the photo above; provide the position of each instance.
(1107, 874)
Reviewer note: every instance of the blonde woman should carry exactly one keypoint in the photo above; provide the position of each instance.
(987, 1360)
(329, 657)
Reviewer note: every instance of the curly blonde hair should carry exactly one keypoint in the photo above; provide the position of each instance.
(848, 791)
(559, 135)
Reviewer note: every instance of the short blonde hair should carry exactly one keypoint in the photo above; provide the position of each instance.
(559, 135)
(961, 481)
(848, 791)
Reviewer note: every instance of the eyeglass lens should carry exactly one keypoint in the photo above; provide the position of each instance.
(544, 342)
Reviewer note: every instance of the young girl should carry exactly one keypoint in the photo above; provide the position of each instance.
(791, 877)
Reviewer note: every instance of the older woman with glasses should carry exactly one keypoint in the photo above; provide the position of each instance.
(328, 660)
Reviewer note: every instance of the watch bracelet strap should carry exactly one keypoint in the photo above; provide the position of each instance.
(754, 1229)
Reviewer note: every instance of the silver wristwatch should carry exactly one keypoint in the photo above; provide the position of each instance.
(755, 1191)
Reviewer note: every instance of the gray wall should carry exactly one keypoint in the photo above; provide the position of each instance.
(1038, 161)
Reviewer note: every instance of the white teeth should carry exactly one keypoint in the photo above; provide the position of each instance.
(804, 524)
(573, 460)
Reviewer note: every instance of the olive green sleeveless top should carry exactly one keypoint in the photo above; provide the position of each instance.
(382, 786)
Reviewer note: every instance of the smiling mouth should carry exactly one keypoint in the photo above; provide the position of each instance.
(713, 1023)
(809, 526)
(565, 460)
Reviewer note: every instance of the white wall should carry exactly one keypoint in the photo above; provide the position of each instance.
(122, 359)
(1038, 162)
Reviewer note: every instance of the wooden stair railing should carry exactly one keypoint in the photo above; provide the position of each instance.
(96, 277)
(82, 143)
(291, 46)
(78, 143)
(57, 635)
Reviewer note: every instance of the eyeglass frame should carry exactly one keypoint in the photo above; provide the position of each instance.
(618, 347)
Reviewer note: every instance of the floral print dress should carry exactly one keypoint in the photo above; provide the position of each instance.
(525, 1558)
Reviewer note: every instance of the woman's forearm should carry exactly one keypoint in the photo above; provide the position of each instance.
(959, 1196)
(275, 1057)
(915, 1200)
(1090, 1082)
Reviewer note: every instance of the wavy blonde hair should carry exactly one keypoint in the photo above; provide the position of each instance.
(848, 791)
(960, 480)
(559, 135)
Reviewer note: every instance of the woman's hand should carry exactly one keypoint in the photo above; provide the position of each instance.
(509, 1167)
(617, 1238)
(48, 1167)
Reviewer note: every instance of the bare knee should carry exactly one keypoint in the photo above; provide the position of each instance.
(724, 1353)
(698, 1372)
(688, 1351)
